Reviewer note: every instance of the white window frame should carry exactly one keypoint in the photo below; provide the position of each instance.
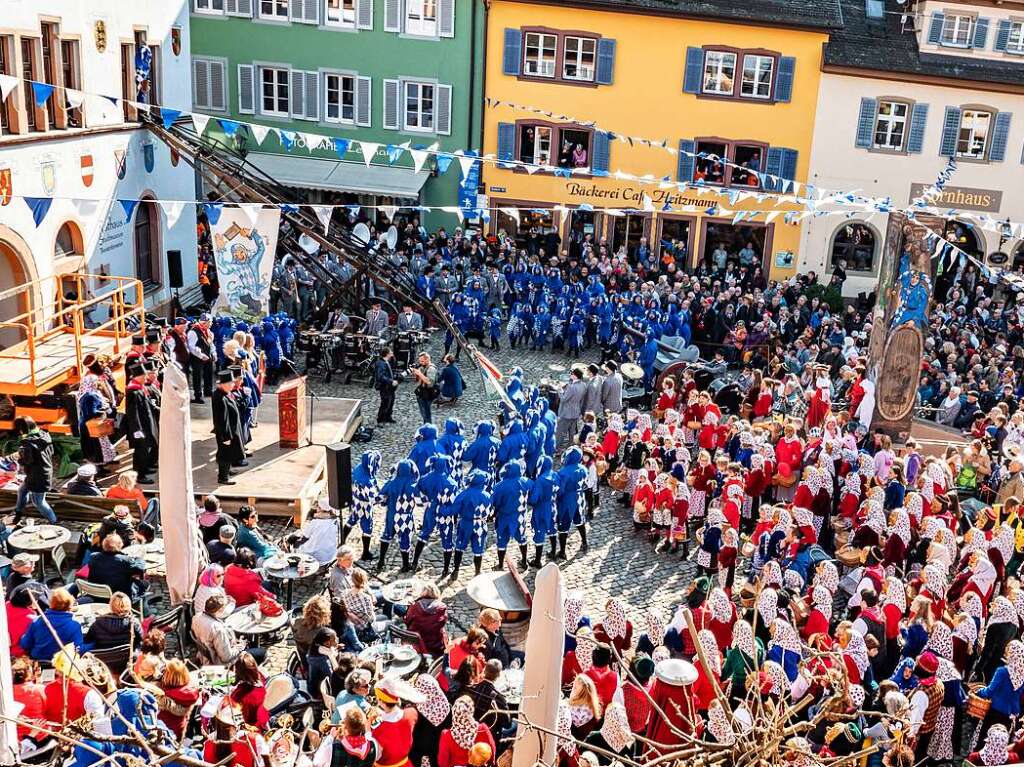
(542, 39)
(577, 58)
(340, 119)
(758, 60)
(276, 16)
(537, 159)
(209, 10)
(404, 96)
(890, 121)
(260, 69)
(953, 25)
(415, 23)
(987, 144)
(342, 24)
(718, 68)
(1015, 39)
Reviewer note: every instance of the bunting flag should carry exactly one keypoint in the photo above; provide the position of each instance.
(288, 139)
(324, 213)
(213, 211)
(230, 127)
(313, 140)
(200, 122)
(419, 157)
(86, 209)
(41, 91)
(369, 149)
(7, 83)
(341, 146)
(444, 161)
(74, 98)
(129, 208)
(168, 116)
(259, 132)
(172, 211)
(251, 211)
(39, 206)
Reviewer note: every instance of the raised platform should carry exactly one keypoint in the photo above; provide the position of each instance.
(279, 481)
(934, 438)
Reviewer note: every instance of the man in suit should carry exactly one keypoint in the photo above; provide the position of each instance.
(594, 382)
(376, 320)
(611, 388)
(227, 427)
(409, 320)
(385, 383)
(446, 286)
(141, 423)
(570, 409)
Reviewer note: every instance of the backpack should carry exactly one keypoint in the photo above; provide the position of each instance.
(967, 479)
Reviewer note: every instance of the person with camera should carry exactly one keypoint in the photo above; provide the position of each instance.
(425, 374)
(385, 382)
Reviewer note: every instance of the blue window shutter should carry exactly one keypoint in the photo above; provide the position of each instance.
(685, 170)
(866, 123)
(789, 158)
(513, 56)
(950, 131)
(784, 80)
(506, 140)
(773, 167)
(1003, 35)
(918, 120)
(605, 61)
(935, 29)
(999, 137)
(981, 33)
(694, 70)
(601, 154)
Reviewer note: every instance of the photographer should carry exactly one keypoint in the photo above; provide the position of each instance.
(385, 383)
(426, 385)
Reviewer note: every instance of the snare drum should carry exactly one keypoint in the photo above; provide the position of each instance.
(850, 557)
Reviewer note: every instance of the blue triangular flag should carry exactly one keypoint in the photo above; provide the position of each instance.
(286, 208)
(230, 127)
(444, 162)
(213, 211)
(287, 139)
(112, 99)
(42, 92)
(394, 153)
(169, 116)
(39, 206)
(341, 146)
(129, 208)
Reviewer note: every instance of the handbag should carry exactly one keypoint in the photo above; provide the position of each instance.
(268, 606)
(99, 427)
(641, 513)
(618, 479)
(601, 466)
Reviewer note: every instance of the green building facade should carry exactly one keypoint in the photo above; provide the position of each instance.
(382, 71)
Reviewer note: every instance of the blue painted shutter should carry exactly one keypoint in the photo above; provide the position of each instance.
(981, 33)
(1000, 134)
(694, 70)
(918, 120)
(1003, 35)
(784, 80)
(605, 61)
(506, 140)
(601, 154)
(684, 171)
(513, 56)
(950, 130)
(866, 123)
(935, 29)
(773, 167)
(789, 158)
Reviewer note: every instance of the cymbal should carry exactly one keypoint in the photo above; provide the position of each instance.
(632, 370)
(556, 368)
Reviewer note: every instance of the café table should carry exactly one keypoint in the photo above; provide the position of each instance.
(43, 539)
(510, 684)
(403, 591)
(150, 553)
(392, 658)
(251, 622)
(289, 568)
(86, 613)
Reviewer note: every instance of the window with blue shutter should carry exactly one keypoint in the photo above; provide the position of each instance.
(981, 33)
(950, 129)
(918, 121)
(605, 61)
(694, 70)
(601, 154)
(684, 169)
(512, 57)
(866, 123)
(935, 28)
(1003, 35)
(789, 158)
(773, 169)
(784, 80)
(506, 141)
(1000, 136)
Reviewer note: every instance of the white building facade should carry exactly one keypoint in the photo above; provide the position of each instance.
(85, 152)
(902, 92)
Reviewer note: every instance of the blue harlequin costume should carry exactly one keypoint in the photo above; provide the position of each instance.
(510, 508)
(494, 321)
(272, 344)
(570, 501)
(439, 490)
(461, 318)
(535, 438)
(550, 420)
(401, 497)
(574, 333)
(542, 327)
(472, 507)
(513, 446)
(286, 330)
(426, 447)
(365, 496)
(543, 493)
(648, 356)
(453, 444)
(483, 451)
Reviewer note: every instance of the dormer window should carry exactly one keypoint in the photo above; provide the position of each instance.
(957, 31)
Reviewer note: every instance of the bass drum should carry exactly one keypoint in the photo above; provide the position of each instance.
(727, 396)
(675, 370)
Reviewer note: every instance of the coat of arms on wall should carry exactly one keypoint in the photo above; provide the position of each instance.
(99, 35)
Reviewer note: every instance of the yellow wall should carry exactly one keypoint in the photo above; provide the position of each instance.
(647, 99)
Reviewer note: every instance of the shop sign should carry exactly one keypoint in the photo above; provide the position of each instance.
(784, 259)
(630, 196)
(998, 258)
(962, 197)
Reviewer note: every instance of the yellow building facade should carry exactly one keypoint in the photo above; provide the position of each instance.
(730, 101)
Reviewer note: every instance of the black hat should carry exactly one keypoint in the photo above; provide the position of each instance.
(138, 340)
(153, 336)
(161, 322)
(136, 370)
(642, 667)
(235, 370)
(225, 377)
(972, 393)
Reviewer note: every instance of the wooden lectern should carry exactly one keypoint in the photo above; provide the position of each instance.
(291, 413)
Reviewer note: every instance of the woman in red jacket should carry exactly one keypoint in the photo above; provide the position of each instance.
(465, 732)
(241, 581)
(820, 613)
(789, 449)
(701, 478)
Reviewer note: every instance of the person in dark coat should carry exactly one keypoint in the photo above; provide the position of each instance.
(427, 616)
(227, 427)
(140, 424)
(489, 704)
(450, 381)
(385, 383)
(112, 568)
(116, 628)
(35, 458)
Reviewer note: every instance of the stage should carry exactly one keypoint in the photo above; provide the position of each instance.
(934, 438)
(282, 482)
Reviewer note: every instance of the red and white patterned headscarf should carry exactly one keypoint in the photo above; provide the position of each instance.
(1015, 663)
(564, 728)
(857, 651)
(827, 576)
(718, 724)
(573, 606)
(900, 526)
(710, 646)
(915, 507)
(771, 575)
(464, 725)
(768, 606)
(614, 623)
(720, 606)
(995, 750)
(785, 636)
(821, 598)
(616, 730)
(654, 620)
(940, 640)
(895, 593)
(743, 638)
(585, 645)
(435, 706)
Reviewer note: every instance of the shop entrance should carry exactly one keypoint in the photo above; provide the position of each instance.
(530, 230)
(675, 238)
(584, 225)
(627, 231)
(724, 243)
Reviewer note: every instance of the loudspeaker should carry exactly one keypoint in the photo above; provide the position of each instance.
(174, 269)
(339, 475)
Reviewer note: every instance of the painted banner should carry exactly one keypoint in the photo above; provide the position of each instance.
(244, 248)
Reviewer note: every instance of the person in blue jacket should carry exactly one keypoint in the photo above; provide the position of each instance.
(1005, 689)
(535, 438)
(401, 497)
(425, 448)
(39, 642)
(471, 509)
(513, 446)
(510, 508)
(453, 444)
(483, 451)
(494, 322)
(570, 504)
(543, 493)
(365, 496)
(648, 356)
(550, 420)
(574, 333)
(438, 490)
(541, 327)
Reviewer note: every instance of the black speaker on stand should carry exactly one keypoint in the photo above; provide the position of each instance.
(175, 281)
(339, 475)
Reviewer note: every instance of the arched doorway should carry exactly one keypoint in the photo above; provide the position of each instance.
(146, 232)
(12, 275)
(964, 237)
(69, 241)
(855, 243)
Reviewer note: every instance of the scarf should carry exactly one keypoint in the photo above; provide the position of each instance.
(573, 605)
(616, 730)
(710, 646)
(1015, 663)
(718, 724)
(934, 580)
(1003, 541)
(564, 728)
(995, 749)
(771, 575)
(721, 607)
(822, 600)
(655, 622)
(914, 507)
(983, 574)
(895, 593)
(857, 651)
(827, 576)
(785, 636)
(743, 639)
(585, 645)
(435, 707)
(464, 726)
(615, 622)
(901, 526)
(940, 641)
(777, 676)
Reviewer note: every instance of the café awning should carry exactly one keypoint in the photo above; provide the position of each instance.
(339, 176)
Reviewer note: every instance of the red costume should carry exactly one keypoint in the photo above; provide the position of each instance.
(451, 754)
(790, 451)
(393, 734)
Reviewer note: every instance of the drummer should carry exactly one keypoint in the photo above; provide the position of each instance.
(409, 320)
(337, 321)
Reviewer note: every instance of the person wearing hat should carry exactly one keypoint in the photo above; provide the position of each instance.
(154, 351)
(140, 423)
(611, 388)
(84, 482)
(925, 703)
(227, 427)
(635, 691)
(23, 568)
(138, 347)
(176, 344)
(201, 358)
(222, 551)
(376, 319)
(393, 728)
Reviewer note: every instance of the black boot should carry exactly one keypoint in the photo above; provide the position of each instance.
(367, 555)
(383, 553)
(663, 545)
(562, 539)
(524, 557)
(582, 529)
(406, 566)
(455, 569)
(553, 554)
(344, 534)
(420, 545)
(501, 560)
(478, 562)
(536, 557)
(447, 565)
